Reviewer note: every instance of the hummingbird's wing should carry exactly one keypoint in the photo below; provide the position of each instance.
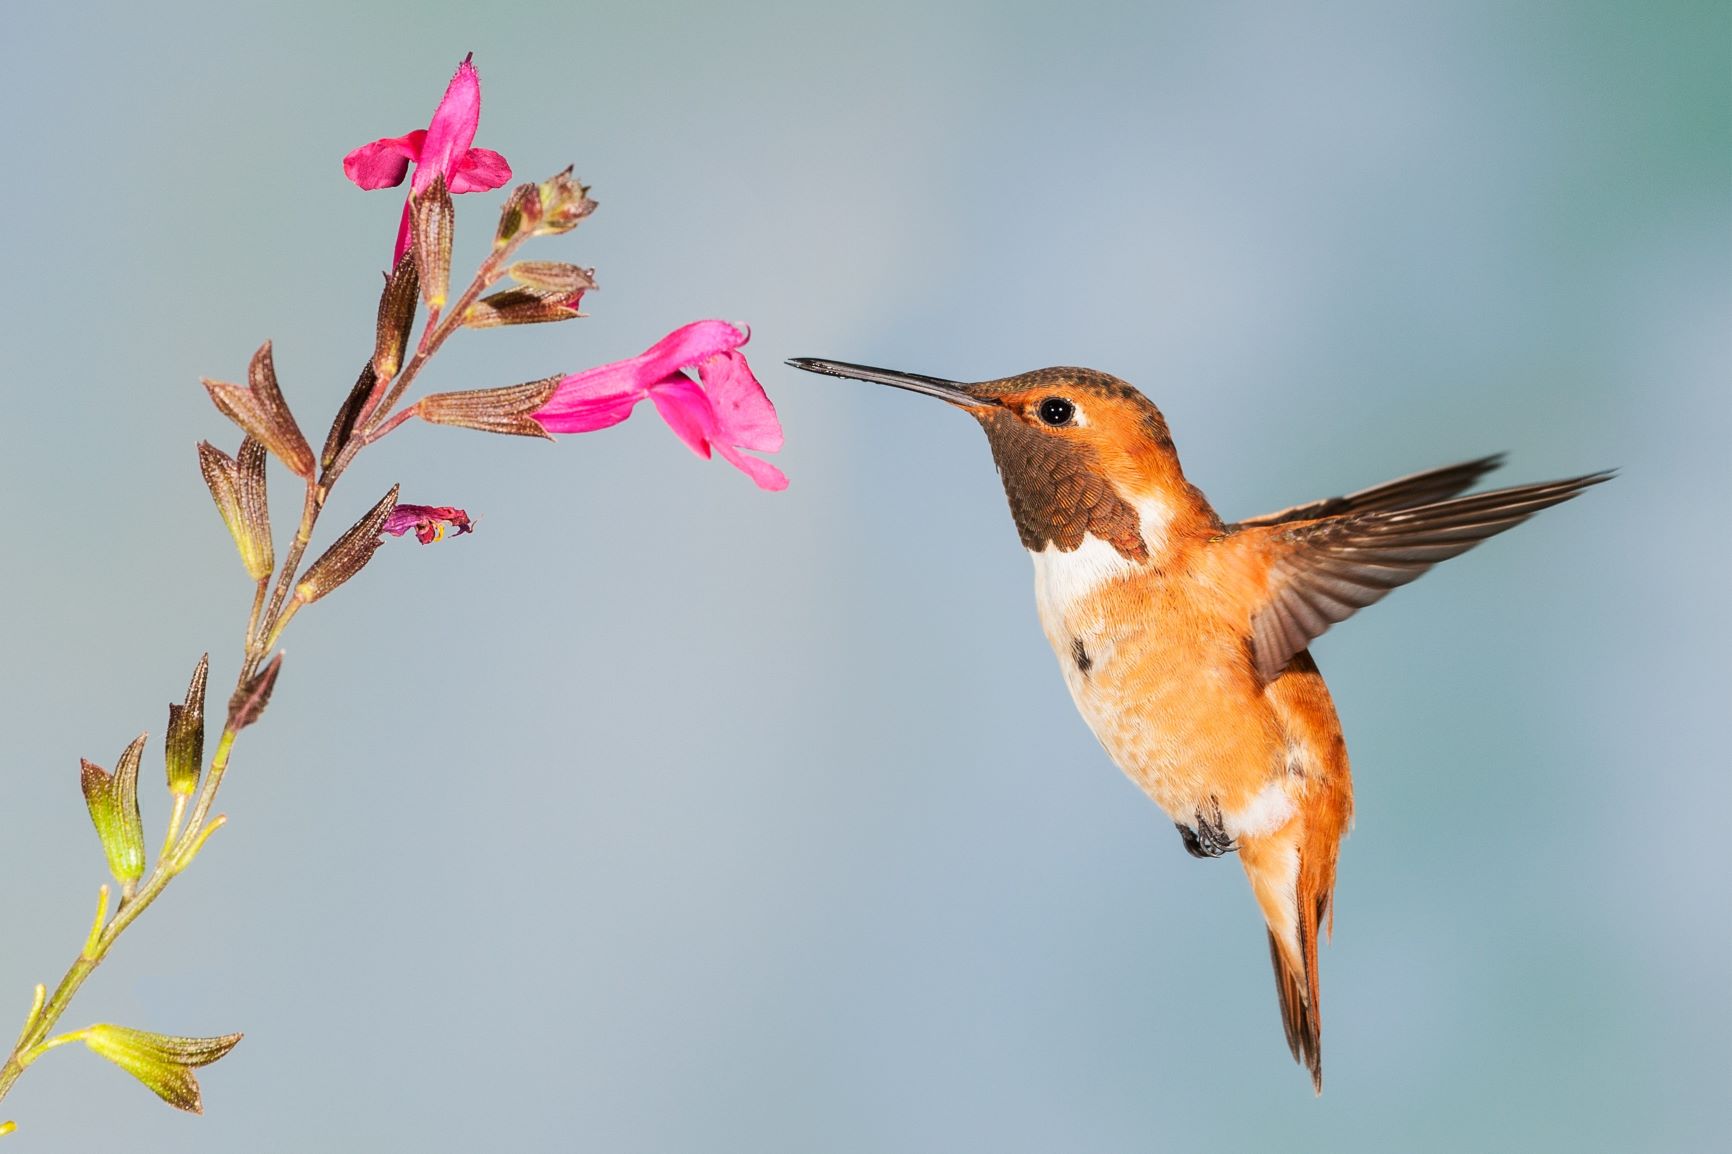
(1321, 571)
(1401, 493)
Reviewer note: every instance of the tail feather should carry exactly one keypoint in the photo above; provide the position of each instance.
(1298, 985)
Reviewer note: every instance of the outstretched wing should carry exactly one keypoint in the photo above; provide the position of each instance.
(1322, 570)
(1401, 493)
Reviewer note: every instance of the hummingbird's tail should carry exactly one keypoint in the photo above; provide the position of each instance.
(1292, 869)
(1294, 889)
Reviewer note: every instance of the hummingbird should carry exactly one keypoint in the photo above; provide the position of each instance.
(1184, 639)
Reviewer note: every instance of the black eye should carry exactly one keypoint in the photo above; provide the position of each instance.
(1056, 411)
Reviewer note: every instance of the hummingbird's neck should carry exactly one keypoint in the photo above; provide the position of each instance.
(1062, 494)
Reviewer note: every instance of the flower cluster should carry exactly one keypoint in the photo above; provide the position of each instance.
(696, 377)
(723, 408)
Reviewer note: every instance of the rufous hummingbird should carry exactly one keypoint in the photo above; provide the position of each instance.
(1184, 638)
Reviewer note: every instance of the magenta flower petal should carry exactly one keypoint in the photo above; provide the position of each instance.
(440, 149)
(723, 411)
(687, 410)
(452, 129)
(384, 163)
(479, 170)
(744, 414)
(689, 346)
(428, 521)
(765, 474)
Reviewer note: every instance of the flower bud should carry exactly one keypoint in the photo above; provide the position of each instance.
(521, 306)
(248, 702)
(432, 220)
(162, 1062)
(396, 317)
(506, 410)
(183, 744)
(343, 427)
(522, 211)
(348, 554)
(261, 412)
(553, 276)
(112, 799)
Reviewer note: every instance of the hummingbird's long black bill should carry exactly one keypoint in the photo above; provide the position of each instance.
(953, 391)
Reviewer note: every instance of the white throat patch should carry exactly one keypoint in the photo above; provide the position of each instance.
(1063, 579)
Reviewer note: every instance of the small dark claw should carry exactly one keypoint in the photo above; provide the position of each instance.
(1209, 839)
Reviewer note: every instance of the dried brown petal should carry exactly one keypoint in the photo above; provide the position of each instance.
(162, 1062)
(344, 426)
(349, 554)
(504, 410)
(396, 317)
(183, 744)
(249, 701)
(522, 210)
(553, 276)
(432, 220)
(521, 306)
(259, 409)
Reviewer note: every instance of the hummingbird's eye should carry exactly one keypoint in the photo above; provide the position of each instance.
(1056, 411)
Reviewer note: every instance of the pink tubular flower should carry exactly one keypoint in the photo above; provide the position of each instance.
(428, 521)
(440, 149)
(724, 409)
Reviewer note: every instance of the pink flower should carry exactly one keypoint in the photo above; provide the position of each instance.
(724, 409)
(440, 149)
(428, 521)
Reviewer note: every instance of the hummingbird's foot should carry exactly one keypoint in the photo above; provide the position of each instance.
(1209, 838)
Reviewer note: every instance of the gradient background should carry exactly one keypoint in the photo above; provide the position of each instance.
(668, 815)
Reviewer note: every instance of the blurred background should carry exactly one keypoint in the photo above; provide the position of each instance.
(664, 814)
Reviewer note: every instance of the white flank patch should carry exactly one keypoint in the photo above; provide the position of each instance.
(1062, 579)
(1266, 812)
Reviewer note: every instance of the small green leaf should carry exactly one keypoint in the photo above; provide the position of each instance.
(163, 1063)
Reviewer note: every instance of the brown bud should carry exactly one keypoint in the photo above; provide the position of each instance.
(349, 554)
(241, 502)
(259, 409)
(553, 276)
(431, 220)
(183, 745)
(396, 317)
(343, 427)
(522, 211)
(249, 701)
(491, 410)
(522, 306)
(564, 202)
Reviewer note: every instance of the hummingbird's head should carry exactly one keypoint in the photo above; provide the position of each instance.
(1080, 452)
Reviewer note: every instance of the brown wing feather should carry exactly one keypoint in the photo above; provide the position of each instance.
(1323, 570)
(1401, 493)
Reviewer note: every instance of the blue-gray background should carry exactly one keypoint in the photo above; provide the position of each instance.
(668, 815)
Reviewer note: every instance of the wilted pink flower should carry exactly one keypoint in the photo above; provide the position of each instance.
(428, 521)
(442, 148)
(724, 409)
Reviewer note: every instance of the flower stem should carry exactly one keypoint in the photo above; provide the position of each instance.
(272, 609)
